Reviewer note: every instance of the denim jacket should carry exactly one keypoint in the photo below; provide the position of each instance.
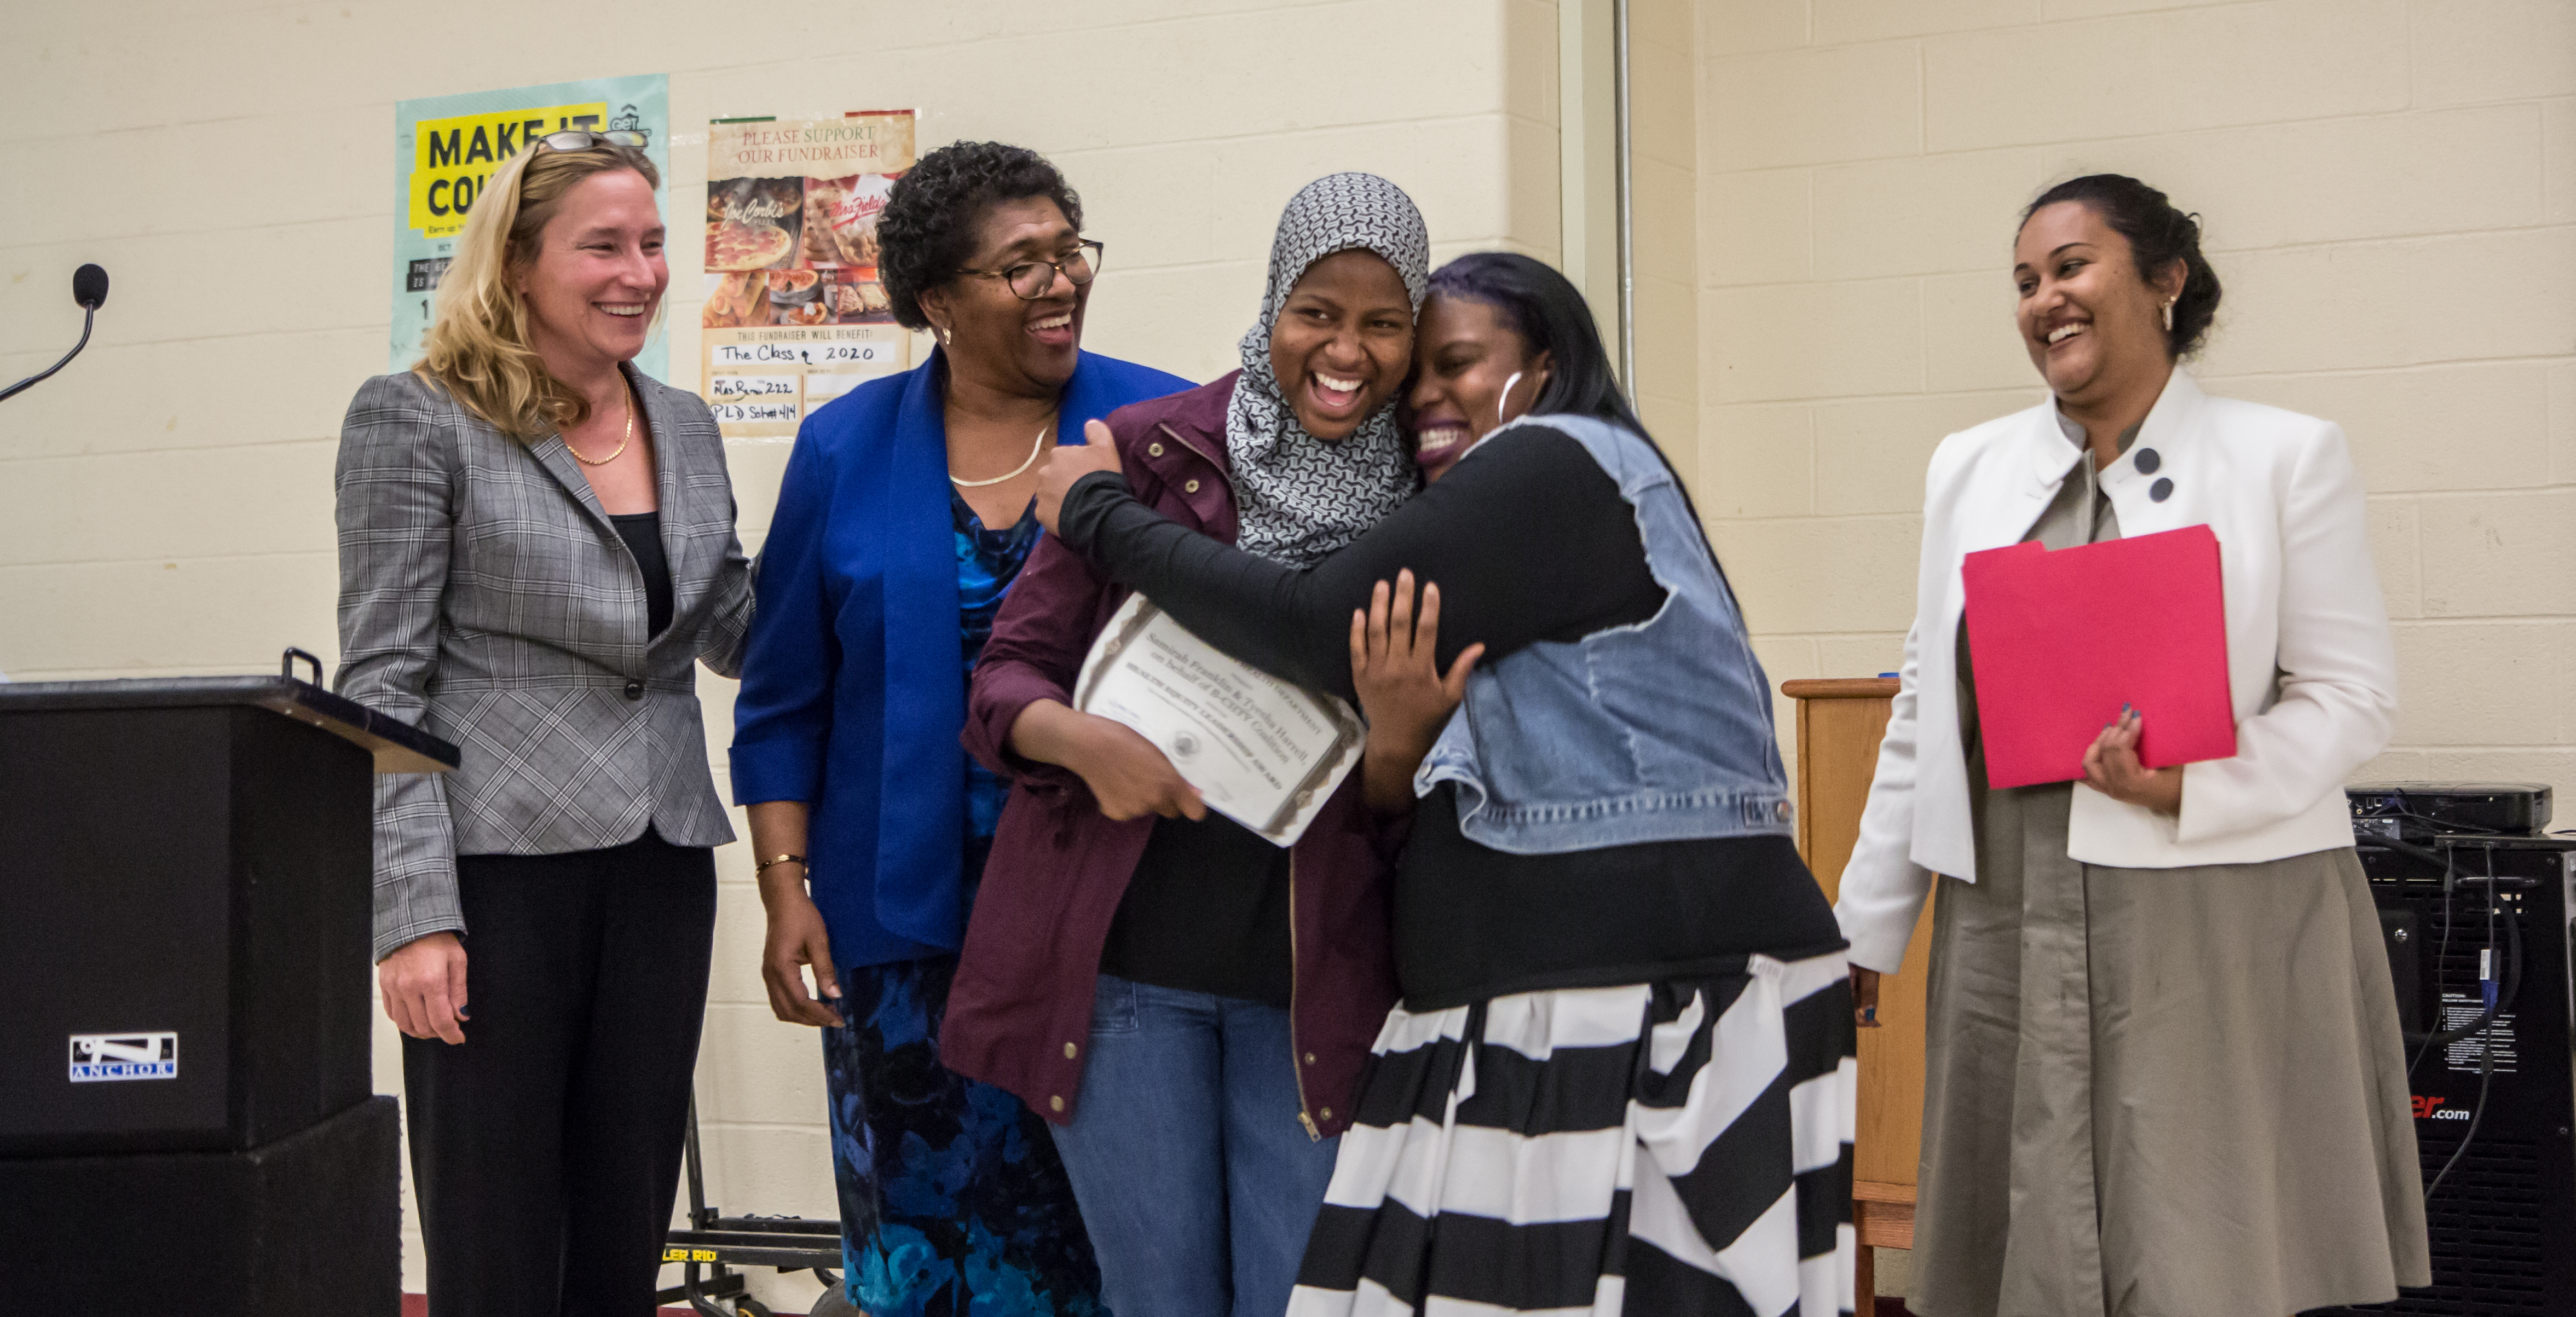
(1659, 731)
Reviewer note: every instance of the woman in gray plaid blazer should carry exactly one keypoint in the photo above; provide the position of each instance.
(536, 549)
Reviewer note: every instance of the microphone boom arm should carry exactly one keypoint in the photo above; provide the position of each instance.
(89, 316)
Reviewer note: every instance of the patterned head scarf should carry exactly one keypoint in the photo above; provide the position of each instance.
(1301, 497)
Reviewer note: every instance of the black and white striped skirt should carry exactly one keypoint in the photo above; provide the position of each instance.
(1672, 1148)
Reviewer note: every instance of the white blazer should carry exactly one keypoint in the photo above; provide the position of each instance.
(2310, 666)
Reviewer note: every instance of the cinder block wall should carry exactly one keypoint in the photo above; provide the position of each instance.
(165, 504)
(1664, 183)
(2389, 193)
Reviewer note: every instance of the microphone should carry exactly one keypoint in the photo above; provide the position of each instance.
(89, 288)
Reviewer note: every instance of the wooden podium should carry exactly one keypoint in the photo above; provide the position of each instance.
(1839, 726)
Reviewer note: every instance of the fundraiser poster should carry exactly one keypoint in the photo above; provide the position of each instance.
(795, 314)
(447, 147)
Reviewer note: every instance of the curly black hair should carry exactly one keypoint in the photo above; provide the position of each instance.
(2159, 234)
(927, 230)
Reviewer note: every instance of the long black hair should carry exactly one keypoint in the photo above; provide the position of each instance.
(1550, 315)
(2159, 234)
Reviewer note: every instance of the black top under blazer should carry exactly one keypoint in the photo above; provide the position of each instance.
(486, 597)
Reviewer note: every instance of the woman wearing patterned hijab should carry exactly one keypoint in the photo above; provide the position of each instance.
(1308, 482)
(1187, 1003)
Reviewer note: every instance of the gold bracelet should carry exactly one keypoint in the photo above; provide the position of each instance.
(763, 866)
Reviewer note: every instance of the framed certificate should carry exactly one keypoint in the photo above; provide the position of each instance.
(1261, 751)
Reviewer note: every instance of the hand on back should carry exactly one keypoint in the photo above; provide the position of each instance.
(1396, 667)
(1069, 463)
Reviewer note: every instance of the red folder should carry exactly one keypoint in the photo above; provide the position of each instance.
(2062, 640)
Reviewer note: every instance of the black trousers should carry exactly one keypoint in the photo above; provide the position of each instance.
(546, 1148)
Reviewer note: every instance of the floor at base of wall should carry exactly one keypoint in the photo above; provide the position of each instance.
(417, 1305)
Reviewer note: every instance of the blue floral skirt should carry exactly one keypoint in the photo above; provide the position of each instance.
(952, 1199)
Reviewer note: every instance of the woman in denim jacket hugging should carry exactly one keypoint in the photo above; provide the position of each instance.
(1620, 1074)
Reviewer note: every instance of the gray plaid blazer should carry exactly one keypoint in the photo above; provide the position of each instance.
(486, 597)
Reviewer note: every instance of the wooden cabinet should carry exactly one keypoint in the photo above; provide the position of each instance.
(1839, 726)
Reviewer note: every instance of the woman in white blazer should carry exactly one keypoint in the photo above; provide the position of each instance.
(2164, 1075)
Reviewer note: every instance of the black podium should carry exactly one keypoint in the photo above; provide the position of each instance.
(187, 1119)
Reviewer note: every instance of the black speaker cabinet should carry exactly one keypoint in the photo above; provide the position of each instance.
(310, 1223)
(2503, 1224)
(184, 897)
(185, 1114)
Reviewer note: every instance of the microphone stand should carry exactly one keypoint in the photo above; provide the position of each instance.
(89, 315)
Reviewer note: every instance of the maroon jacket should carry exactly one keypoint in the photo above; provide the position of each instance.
(1019, 1012)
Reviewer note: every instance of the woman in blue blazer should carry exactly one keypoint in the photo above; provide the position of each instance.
(904, 516)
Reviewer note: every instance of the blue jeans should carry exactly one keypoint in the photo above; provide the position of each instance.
(1198, 1182)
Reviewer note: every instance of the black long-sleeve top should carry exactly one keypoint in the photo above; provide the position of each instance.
(1529, 541)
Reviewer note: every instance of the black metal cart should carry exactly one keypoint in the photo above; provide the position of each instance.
(714, 1246)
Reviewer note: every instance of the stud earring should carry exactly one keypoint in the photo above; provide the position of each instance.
(946, 337)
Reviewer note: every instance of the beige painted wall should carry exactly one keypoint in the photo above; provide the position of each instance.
(1665, 229)
(2389, 191)
(1825, 192)
(165, 504)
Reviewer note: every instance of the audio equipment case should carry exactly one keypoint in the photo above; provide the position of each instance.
(2503, 1220)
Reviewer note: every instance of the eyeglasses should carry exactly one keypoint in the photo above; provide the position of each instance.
(1030, 280)
(583, 139)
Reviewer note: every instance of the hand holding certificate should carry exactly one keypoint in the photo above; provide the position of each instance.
(1262, 752)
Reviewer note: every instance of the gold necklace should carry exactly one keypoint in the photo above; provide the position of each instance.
(1034, 450)
(621, 444)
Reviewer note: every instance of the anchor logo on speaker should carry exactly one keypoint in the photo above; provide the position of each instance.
(106, 1057)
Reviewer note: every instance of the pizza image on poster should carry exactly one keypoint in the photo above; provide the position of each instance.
(840, 222)
(752, 223)
(795, 313)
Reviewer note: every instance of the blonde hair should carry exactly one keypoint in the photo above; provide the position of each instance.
(478, 347)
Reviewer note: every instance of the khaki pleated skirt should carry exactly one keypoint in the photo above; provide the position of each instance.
(2159, 1092)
